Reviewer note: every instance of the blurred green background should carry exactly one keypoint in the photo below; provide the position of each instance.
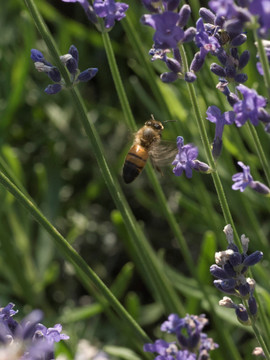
(43, 145)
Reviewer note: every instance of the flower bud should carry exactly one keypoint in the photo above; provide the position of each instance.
(184, 15)
(227, 302)
(252, 304)
(207, 15)
(190, 76)
(173, 65)
(239, 40)
(242, 315)
(244, 59)
(218, 272)
(196, 63)
(87, 74)
(168, 77)
(253, 258)
(217, 70)
(54, 74)
(53, 89)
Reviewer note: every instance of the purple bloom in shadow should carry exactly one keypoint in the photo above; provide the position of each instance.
(249, 107)
(262, 9)
(226, 8)
(168, 34)
(215, 116)
(242, 179)
(110, 10)
(184, 160)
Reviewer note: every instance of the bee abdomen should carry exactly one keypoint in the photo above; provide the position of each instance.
(134, 163)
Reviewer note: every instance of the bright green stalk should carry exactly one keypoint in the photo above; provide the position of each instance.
(84, 272)
(151, 266)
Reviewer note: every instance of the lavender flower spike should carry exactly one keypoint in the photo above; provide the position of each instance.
(215, 116)
(110, 11)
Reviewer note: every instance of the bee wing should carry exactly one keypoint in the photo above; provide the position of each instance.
(163, 154)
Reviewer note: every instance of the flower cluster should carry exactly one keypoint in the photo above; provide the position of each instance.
(70, 60)
(221, 38)
(28, 340)
(109, 10)
(244, 179)
(185, 160)
(192, 342)
(169, 24)
(230, 271)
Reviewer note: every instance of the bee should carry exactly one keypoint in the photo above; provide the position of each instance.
(146, 145)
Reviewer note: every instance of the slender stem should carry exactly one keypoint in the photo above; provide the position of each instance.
(260, 151)
(264, 61)
(257, 332)
(151, 265)
(83, 270)
(118, 82)
(217, 182)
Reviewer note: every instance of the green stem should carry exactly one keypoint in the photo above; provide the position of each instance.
(257, 332)
(118, 82)
(84, 272)
(151, 265)
(260, 151)
(216, 179)
(263, 60)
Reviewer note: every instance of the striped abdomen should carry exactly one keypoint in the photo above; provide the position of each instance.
(134, 163)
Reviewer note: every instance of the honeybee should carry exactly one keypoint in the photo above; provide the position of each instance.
(146, 145)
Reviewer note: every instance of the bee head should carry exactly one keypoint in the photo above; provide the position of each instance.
(154, 124)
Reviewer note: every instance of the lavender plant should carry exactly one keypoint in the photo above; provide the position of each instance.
(224, 61)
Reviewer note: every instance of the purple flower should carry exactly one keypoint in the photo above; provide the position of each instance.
(249, 107)
(173, 324)
(110, 10)
(242, 179)
(262, 9)
(162, 348)
(184, 160)
(226, 8)
(168, 34)
(188, 330)
(205, 42)
(32, 339)
(215, 116)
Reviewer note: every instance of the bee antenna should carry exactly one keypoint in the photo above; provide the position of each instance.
(152, 117)
(169, 121)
